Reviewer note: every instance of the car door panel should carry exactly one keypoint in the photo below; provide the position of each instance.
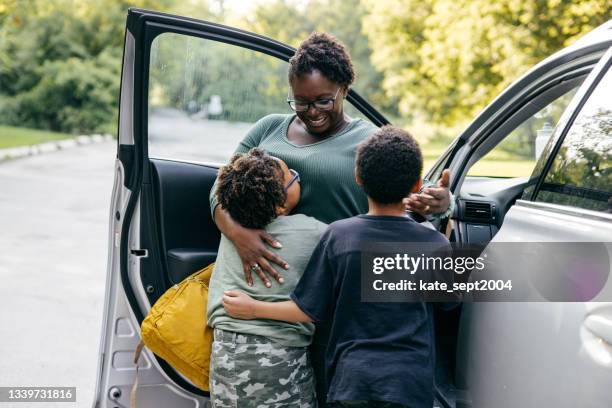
(189, 236)
(508, 369)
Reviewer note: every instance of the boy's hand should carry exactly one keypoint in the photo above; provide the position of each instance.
(239, 305)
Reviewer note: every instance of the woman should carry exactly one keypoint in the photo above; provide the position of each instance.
(318, 141)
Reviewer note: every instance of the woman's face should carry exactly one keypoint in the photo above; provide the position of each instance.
(312, 87)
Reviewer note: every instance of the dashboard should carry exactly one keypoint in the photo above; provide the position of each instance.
(481, 206)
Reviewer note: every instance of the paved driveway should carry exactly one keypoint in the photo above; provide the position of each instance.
(53, 233)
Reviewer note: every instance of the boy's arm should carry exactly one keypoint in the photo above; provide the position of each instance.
(313, 294)
(241, 306)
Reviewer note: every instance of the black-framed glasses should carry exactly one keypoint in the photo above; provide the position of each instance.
(296, 177)
(326, 104)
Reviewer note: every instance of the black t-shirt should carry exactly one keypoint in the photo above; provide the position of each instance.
(376, 351)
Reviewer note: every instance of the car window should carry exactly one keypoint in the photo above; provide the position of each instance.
(581, 172)
(517, 154)
(205, 95)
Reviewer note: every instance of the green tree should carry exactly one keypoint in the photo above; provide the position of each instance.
(60, 63)
(186, 72)
(446, 59)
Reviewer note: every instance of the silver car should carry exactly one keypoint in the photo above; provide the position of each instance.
(182, 114)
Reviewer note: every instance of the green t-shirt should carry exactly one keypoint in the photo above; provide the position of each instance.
(299, 235)
(327, 177)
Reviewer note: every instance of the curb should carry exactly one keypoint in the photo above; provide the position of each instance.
(47, 147)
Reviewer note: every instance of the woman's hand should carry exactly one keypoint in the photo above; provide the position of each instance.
(433, 200)
(255, 255)
(252, 249)
(239, 305)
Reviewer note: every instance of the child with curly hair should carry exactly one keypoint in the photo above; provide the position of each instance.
(261, 362)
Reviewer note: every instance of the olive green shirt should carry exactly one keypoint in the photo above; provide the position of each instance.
(329, 191)
(299, 235)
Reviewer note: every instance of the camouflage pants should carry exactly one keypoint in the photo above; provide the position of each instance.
(252, 371)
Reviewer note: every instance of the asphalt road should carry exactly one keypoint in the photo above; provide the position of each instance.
(173, 135)
(53, 222)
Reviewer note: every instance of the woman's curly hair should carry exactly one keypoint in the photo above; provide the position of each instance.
(250, 187)
(324, 53)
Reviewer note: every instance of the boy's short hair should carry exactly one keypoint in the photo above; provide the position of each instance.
(389, 164)
(250, 187)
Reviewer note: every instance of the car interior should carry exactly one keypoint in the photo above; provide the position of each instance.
(483, 201)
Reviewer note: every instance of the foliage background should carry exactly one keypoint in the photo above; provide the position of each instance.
(430, 65)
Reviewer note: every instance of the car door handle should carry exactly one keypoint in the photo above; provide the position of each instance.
(600, 326)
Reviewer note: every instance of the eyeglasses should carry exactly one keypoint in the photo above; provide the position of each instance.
(320, 104)
(296, 177)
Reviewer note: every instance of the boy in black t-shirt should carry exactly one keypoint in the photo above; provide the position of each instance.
(379, 354)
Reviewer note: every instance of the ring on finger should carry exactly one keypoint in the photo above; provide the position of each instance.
(255, 267)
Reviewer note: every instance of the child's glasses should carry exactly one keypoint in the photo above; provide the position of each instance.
(296, 177)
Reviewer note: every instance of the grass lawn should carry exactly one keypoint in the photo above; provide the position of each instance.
(502, 168)
(16, 136)
(495, 164)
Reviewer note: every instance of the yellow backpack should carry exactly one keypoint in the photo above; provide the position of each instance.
(176, 329)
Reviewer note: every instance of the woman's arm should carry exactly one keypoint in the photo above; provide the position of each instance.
(241, 306)
(251, 247)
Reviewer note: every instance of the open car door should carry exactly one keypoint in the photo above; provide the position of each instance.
(190, 90)
(554, 353)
